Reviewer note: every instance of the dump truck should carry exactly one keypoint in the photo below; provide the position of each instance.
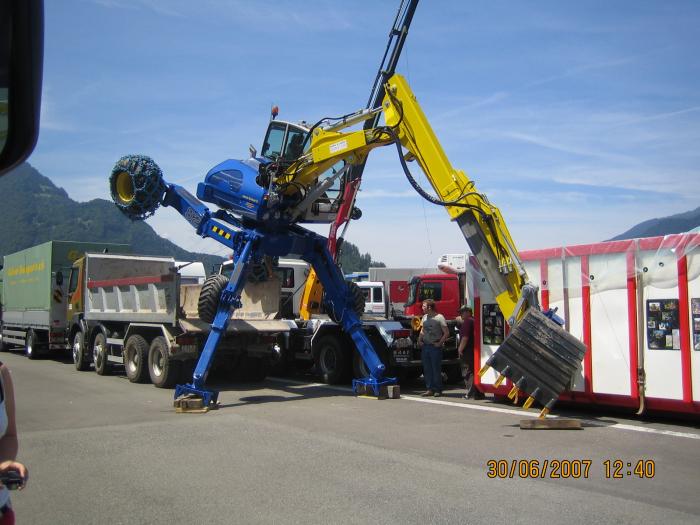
(134, 310)
(34, 294)
(320, 341)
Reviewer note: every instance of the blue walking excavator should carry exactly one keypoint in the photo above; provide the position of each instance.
(301, 176)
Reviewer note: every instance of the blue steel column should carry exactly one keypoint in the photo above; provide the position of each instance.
(229, 301)
(338, 295)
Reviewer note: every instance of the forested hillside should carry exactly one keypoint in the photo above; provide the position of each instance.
(33, 210)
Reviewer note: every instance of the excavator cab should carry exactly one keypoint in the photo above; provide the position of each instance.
(284, 141)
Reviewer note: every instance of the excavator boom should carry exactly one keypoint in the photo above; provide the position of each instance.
(539, 356)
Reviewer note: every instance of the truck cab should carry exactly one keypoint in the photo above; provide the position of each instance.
(445, 290)
(376, 300)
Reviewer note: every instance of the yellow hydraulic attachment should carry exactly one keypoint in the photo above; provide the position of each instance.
(480, 221)
(538, 356)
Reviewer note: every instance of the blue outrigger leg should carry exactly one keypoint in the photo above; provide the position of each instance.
(229, 301)
(251, 245)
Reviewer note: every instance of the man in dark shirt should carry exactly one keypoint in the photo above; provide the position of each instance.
(466, 351)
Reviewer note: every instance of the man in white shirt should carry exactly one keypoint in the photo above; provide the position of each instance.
(432, 337)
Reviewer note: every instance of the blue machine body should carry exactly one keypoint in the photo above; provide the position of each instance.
(231, 185)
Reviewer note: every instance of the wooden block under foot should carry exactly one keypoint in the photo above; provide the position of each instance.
(550, 424)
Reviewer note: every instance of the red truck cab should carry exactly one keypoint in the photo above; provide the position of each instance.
(446, 290)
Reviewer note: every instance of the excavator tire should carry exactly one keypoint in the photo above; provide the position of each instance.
(209, 297)
(137, 187)
(357, 300)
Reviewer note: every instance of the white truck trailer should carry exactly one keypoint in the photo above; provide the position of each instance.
(133, 310)
(34, 294)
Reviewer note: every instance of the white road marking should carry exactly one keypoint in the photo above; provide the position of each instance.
(511, 411)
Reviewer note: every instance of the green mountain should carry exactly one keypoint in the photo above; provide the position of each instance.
(351, 260)
(33, 210)
(679, 223)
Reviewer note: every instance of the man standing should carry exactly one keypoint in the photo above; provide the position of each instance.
(432, 337)
(466, 351)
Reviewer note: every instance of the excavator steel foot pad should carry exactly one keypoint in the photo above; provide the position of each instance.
(550, 424)
(192, 404)
(385, 392)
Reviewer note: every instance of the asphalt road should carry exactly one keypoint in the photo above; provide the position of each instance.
(103, 450)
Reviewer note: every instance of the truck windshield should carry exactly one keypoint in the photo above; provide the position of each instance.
(73, 281)
(413, 287)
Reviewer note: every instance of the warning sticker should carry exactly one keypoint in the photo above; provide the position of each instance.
(339, 146)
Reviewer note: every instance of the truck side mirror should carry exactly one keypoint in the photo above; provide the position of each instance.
(253, 152)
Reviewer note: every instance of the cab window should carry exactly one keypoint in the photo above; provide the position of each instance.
(284, 140)
(295, 143)
(73, 281)
(431, 291)
(286, 277)
(272, 147)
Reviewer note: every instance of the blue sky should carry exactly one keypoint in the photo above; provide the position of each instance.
(577, 119)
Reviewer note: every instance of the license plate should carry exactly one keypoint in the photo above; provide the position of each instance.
(188, 349)
(402, 355)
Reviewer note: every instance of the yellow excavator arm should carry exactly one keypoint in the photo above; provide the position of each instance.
(480, 221)
(538, 356)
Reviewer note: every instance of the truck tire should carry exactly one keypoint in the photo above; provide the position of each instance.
(30, 349)
(187, 371)
(208, 302)
(4, 347)
(331, 361)
(252, 369)
(81, 358)
(99, 355)
(359, 367)
(164, 372)
(409, 375)
(136, 359)
(454, 374)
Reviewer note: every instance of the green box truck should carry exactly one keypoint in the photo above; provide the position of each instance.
(34, 293)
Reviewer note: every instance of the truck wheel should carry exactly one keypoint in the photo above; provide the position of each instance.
(253, 369)
(81, 359)
(99, 355)
(454, 373)
(4, 347)
(359, 367)
(187, 371)
(164, 371)
(330, 359)
(30, 345)
(209, 297)
(136, 359)
(408, 375)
